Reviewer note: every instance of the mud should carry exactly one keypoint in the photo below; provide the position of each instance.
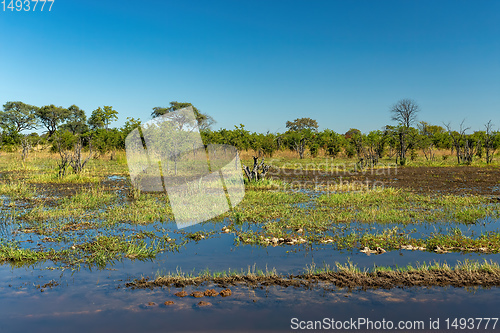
(437, 180)
(341, 279)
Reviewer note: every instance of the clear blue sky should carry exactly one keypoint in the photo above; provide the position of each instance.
(260, 63)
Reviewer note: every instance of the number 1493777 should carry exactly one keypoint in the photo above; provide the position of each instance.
(27, 5)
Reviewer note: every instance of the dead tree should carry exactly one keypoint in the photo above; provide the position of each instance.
(259, 170)
(76, 162)
(26, 148)
(72, 158)
(300, 147)
(464, 148)
(405, 113)
(489, 142)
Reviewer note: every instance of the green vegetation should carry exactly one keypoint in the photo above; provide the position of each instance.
(86, 219)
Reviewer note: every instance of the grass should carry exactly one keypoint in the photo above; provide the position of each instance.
(466, 273)
(85, 219)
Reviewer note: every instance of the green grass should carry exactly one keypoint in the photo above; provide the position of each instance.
(87, 214)
(467, 272)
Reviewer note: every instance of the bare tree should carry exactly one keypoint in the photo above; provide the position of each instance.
(73, 157)
(489, 142)
(405, 113)
(77, 162)
(65, 157)
(464, 147)
(26, 145)
(300, 147)
(259, 170)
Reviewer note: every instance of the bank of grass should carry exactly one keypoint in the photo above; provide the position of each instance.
(17, 190)
(389, 205)
(98, 252)
(280, 213)
(465, 273)
(389, 239)
(41, 167)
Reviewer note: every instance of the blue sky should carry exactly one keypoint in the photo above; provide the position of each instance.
(260, 63)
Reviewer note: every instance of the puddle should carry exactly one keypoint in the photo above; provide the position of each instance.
(116, 177)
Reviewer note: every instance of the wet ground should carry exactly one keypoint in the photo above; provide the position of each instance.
(442, 180)
(46, 298)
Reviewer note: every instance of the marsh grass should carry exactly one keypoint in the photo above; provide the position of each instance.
(466, 273)
(17, 190)
(87, 218)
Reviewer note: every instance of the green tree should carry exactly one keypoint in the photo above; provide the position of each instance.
(51, 117)
(76, 122)
(130, 125)
(331, 142)
(300, 124)
(299, 134)
(102, 117)
(18, 116)
(204, 120)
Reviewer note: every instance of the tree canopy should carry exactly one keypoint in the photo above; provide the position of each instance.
(300, 124)
(76, 121)
(102, 117)
(52, 116)
(18, 116)
(204, 120)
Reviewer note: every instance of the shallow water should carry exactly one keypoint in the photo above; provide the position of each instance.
(96, 300)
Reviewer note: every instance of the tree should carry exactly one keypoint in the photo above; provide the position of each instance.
(405, 113)
(102, 117)
(76, 121)
(51, 116)
(130, 125)
(204, 120)
(299, 133)
(425, 140)
(489, 142)
(300, 124)
(70, 148)
(18, 116)
(464, 146)
(332, 142)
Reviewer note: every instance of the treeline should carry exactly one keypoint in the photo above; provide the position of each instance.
(68, 127)
(367, 147)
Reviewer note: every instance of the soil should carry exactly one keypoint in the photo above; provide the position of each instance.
(438, 180)
(342, 279)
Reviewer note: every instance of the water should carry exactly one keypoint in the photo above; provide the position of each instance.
(97, 300)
